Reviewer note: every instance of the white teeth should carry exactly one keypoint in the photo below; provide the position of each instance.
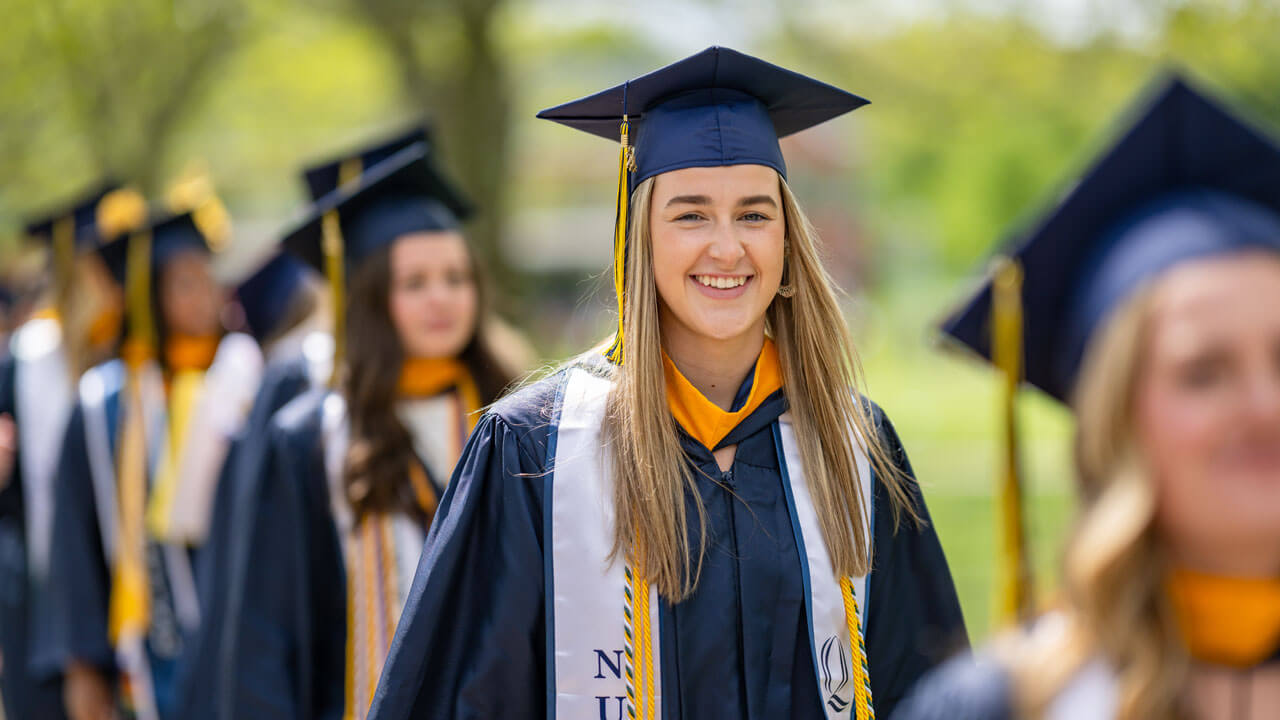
(722, 283)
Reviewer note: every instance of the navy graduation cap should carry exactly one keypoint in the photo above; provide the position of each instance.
(716, 108)
(168, 236)
(324, 178)
(268, 294)
(1187, 179)
(405, 193)
(79, 218)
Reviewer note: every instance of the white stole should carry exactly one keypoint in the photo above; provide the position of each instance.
(585, 593)
(43, 398)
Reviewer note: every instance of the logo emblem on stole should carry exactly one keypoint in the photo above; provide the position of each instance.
(836, 672)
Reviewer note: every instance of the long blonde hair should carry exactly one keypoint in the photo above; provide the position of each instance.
(1115, 607)
(821, 376)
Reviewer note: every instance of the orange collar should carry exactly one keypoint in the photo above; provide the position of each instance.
(190, 352)
(423, 377)
(705, 421)
(1227, 620)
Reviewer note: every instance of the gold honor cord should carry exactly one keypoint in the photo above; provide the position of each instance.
(626, 163)
(1015, 592)
(64, 258)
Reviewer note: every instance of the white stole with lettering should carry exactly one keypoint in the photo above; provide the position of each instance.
(585, 594)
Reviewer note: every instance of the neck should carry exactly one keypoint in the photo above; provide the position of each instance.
(1245, 560)
(716, 368)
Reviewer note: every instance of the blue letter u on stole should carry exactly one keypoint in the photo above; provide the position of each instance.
(604, 706)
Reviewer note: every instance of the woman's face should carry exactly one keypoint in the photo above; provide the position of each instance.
(718, 248)
(190, 298)
(1208, 412)
(434, 301)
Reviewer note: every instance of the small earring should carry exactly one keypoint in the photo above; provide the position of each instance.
(787, 291)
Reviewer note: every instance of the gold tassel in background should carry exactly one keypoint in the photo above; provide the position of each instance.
(1015, 591)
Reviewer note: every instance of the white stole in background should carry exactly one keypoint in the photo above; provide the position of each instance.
(44, 394)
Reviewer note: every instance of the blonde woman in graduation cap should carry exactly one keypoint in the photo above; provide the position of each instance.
(1149, 301)
(706, 519)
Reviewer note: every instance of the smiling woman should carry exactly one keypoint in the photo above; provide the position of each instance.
(684, 527)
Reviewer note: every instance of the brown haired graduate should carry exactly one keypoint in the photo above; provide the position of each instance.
(708, 521)
(351, 478)
(1150, 302)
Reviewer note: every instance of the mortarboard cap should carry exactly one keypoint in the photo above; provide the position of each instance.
(169, 236)
(718, 107)
(1187, 179)
(405, 193)
(324, 178)
(268, 294)
(81, 216)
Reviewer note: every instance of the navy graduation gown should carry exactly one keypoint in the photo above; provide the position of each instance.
(24, 695)
(227, 546)
(285, 636)
(472, 640)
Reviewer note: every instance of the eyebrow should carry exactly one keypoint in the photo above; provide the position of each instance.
(689, 200)
(704, 200)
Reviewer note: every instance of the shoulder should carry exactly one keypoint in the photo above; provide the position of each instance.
(537, 404)
(36, 339)
(102, 381)
(531, 414)
(970, 687)
(300, 416)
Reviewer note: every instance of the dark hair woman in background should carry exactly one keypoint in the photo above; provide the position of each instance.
(353, 477)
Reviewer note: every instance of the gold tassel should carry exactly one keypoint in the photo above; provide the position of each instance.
(1015, 593)
(142, 330)
(626, 163)
(349, 171)
(333, 270)
(129, 605)
(119, 212)
(64, 258)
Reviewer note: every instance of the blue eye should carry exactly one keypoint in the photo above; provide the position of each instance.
(755, 217)
(688, 217)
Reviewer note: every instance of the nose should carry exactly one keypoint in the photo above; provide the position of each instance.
(726, 249)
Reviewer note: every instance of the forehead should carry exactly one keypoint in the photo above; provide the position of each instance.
(1218, 299)
(725, 182)
(424, 247)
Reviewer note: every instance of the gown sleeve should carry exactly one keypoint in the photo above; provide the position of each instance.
(269, 634)
(914, 620)
(199, 686)
(964, 688)
(74, 626)
(472, 640)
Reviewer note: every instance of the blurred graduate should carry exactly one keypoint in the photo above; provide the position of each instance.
(284, 308)
(353, 477)
(140, 464)
(703, 518)
(1148, 300)
(77, 327)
